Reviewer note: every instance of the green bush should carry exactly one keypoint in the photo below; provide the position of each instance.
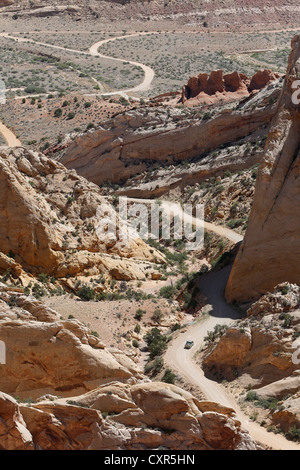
(167, 292)
(156, 342)
(293, 433)
(251, 396)
(58, 113)
(169, 377)
(139, 314)
(86, 293)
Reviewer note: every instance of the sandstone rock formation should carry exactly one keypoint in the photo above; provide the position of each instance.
(13, 430)
(47, 355)
(50, 219)
(108, 403)
(143, 416)
(215, 16)
(259, 349)
(289, 414)
(284, 298)
(50, 11)
(262, 356)
(208, 89)
(127, 144)
(270, 253)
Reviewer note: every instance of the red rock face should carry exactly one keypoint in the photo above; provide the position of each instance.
(215, 83)
(261, 79)
(234, 81)
(203, 87)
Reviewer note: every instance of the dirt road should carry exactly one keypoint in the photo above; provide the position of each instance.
(181, 360)
(149, 73)
(9, 136)
(169, 207)
(212, 285)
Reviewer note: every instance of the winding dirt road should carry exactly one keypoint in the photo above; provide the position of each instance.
(149, 73)
(212, 285)
(171, 207)
(9, 136)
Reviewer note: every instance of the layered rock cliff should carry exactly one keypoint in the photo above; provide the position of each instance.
(131, 142)
(50, 219)
(270, 253)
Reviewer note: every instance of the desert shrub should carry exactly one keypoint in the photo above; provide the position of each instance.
(139, 314)
(86, 293)
(70, 116)
(156, 342)
(169, 377)
(58, 112)
(38, 291)
(293, 433)
(43, 278)
(157, 315)
(251, 396)
(167, 292)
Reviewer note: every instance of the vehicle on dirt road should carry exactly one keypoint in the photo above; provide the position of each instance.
(189, 344)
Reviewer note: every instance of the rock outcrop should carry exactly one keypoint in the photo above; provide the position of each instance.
(45, 354)
(13, 430)
(53, 222)
(5, 3)
(260, 349)
(54, 10)
(288, 417)
(107, 402)
(122, 417)
(216, 87)
(208, 16)
(129, 143)
(270, 253)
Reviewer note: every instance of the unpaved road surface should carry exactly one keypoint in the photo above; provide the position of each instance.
(9, 136)
(212, 285)
(149, 73)
(176, 209)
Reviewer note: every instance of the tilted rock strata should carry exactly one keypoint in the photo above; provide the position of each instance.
(49, 223)
(129, 143)
(270, 253)
(45, 354)
(142, 416)
(108, 403)
(259, 349)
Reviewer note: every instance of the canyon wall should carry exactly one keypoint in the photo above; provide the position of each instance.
(270, 253)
